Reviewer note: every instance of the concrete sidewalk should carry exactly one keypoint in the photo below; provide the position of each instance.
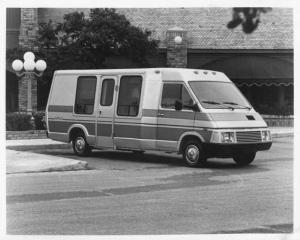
(28, 162)
(19, 159)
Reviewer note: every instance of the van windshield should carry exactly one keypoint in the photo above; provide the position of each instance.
(219, 95)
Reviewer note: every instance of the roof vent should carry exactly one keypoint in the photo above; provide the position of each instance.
(157, 71)
(214, 73)
(205, 72)
(196, 72)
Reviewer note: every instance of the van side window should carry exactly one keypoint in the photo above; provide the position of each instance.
(107, 92)
(129, 96)
(85, 95)
(172, 92)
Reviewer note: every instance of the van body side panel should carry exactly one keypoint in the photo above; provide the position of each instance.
(104, 129)
(140, 132)
(60, 110)
(61, 137)
(63, 126)
(105, 111)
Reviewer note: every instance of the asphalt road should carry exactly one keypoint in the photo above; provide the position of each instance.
(127, 193)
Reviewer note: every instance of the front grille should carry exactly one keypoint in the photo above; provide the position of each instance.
(248, 137)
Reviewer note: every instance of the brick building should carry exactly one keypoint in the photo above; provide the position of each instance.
(261, 63)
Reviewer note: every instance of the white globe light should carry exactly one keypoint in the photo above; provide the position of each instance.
(40, 65)
(29, 65)
(17, 65)
(178, 40)
(29, 56)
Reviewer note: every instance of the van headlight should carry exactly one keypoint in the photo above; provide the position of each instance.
(228, 137)
(265, 135)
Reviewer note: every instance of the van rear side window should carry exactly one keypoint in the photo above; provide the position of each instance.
(129, 96)
(85, 95)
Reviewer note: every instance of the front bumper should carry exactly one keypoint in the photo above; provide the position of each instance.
(228, 150)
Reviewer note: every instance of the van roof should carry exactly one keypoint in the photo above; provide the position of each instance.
(167, 73)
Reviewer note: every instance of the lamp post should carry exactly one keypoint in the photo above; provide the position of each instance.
(27, 70)
(178, 40)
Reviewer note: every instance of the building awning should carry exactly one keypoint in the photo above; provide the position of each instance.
(263, 82)
(255, 69)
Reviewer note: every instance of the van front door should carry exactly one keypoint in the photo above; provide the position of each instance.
(171, 123)
(105, 114)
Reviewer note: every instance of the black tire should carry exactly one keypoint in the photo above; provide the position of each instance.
(193, 154)
(244, 158)
(80, 145)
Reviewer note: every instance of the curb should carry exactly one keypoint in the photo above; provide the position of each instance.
(79, 165)
(43, 146)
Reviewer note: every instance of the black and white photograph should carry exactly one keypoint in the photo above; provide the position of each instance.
(149, 120)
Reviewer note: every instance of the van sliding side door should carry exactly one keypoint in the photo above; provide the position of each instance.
(105, 112)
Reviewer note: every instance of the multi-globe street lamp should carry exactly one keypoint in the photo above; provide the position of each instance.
(29, 67)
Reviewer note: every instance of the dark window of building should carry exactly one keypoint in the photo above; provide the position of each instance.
(107, 92)
(85, 95)
(129, 96)
(172, 92)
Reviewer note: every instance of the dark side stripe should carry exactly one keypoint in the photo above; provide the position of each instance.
(60, 108)
(129, 131)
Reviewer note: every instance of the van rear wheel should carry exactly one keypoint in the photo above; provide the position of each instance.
(193, 154)
(244, 158)
(80, 146)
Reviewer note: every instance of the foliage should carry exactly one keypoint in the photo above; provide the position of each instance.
(22, 121)
(82, 43)
(39, 120)
(249, 18)
(18, 122)
(85, 43)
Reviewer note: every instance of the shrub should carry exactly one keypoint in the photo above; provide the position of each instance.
(18, 122)
(23, 122)
(39, 120)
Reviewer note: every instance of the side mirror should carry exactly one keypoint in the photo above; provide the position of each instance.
(178, 105)
(195, 108)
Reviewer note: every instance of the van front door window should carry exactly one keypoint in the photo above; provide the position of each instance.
(172, 92)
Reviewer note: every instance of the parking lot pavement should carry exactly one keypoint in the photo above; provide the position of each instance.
(150, 193)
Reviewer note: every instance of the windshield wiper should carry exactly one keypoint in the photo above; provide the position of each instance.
(236, 104)
(217, 103)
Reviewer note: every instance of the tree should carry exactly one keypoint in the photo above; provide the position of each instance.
(81, 42)
(249, 18)
(85, 43)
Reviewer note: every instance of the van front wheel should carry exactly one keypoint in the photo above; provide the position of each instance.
(244, 158)
(193, 154)
(80, 146)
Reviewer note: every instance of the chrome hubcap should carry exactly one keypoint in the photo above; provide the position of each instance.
(79, 144)
(192, 153)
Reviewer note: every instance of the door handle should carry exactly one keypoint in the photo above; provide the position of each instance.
(160, 114)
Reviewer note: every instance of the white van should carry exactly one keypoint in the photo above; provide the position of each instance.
(196, 113)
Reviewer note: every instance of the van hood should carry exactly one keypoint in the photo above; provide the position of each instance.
(237, 120)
